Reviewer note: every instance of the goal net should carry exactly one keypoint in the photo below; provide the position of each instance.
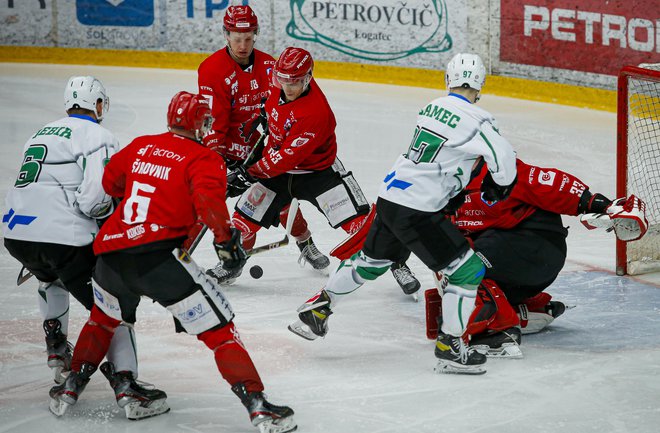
(638, 162)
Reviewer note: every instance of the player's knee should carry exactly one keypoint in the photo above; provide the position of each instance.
(100, 318)
(467, 272)
(220, 336)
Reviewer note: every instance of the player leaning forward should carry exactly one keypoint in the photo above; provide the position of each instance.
(168, 181)
(452, 135)
(53, 213)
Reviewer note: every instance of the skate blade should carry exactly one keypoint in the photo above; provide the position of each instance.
(58, 407)
(282, 425)
(447, 367)
(507, 351)
(135, 411)
(302, 330)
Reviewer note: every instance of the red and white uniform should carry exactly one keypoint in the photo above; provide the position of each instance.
(537, 188)
(302, 135)
(235, 95)
(167, 182)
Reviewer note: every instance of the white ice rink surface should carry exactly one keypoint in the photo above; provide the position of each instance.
(596, 369)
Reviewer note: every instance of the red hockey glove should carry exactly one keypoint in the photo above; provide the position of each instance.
(215, 142)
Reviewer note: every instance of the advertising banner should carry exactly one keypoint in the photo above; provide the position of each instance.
(415, 32)
(583, 35)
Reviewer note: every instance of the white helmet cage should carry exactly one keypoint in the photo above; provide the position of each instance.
(466, 69)
(84, 92)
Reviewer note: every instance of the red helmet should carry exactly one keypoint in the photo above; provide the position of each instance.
(190, 112)
(294, 64)
(240, 19)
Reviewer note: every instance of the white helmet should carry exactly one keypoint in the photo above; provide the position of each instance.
(466, 69)
(84, 92)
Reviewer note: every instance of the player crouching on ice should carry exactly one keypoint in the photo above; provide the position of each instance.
(168, 181)
(452, 133)
(522, 242)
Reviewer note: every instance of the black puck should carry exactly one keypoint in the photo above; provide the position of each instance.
(256, 272)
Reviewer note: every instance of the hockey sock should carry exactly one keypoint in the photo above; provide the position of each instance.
(122, 351)
(299, 229)
(353, 273)
(54, 303)
(94, 339)
(355, 224)
(248, 230)
(231, 357)
(463, 278)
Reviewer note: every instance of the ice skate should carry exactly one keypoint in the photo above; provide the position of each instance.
(223, 276)
(67, 394)
(267, 417)
(455, 357)
(503, 344)
(313, 316)
(137, 401)
(406, 279)
(310, 254)
(59, 350)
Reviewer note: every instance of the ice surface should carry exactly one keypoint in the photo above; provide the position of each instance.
(596, 369)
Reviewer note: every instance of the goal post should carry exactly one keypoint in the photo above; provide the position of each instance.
(638, 162)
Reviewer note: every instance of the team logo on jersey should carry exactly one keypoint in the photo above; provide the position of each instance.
(13, 219)
(546, 177)
(395, 183)
(298, 142)
(489, 203)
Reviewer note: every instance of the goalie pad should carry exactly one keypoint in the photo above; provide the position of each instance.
(626, 216)
(355, 241)
(492, 311)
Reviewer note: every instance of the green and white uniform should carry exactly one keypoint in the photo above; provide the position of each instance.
(58, 190)
(450, 137)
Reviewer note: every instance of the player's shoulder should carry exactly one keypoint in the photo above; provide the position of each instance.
(263, 57)
(218, 63)
(89, 132)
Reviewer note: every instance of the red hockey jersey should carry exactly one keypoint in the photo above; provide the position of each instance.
(302, 135)
(166, 182)
(235, 95)
(537, 188)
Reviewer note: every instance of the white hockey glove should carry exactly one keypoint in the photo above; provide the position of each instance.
(626, 216)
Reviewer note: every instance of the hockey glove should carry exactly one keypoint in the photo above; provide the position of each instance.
(248, 128)
(231, 252)
(493, 192)
(593, 203)
(238, 181)
(455, 203)
(626, 216)
(214, 142)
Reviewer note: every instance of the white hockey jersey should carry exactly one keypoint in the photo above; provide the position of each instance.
(451, 135)
(58, 189)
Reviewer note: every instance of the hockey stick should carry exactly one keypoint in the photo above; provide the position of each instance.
(23, 275)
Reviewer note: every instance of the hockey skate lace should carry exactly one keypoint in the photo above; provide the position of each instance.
(463, 351)
(309, 254)
(403, 275)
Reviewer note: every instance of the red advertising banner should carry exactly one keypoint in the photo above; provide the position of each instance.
(584, 35)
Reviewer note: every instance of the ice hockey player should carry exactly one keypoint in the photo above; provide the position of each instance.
(168, 181)
(53, 213)
(452, 133)
(522, 241)
(237, 80)
(300, 160)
